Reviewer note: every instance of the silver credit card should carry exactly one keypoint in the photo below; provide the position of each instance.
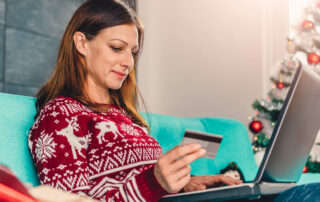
(209, 142)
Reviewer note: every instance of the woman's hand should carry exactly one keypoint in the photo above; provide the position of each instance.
(202, 182)
(172, 169)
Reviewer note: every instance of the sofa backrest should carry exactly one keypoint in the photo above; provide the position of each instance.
(235, 145)
(16, 117)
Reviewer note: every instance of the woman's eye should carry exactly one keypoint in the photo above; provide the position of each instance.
(116, 49)
(134, 53)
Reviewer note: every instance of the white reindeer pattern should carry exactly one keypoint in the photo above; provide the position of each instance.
(76, 143)
(107, 126)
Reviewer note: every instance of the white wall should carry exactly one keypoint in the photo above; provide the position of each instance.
(209, 57)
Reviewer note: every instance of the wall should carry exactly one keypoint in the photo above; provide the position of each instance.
(30, 32)
(201, 58)
(209, 58)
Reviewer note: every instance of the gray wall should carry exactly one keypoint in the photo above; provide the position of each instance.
(30, 32)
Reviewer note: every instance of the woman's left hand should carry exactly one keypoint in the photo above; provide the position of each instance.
(202, 182)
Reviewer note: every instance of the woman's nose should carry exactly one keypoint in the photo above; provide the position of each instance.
(128, 60)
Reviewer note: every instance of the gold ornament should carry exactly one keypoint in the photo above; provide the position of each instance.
(291, 47)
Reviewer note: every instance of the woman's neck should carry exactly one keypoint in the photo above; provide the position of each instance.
(96, 93)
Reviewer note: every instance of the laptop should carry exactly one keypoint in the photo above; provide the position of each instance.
(288, 149)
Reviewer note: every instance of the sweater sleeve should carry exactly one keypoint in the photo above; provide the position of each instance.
(59, 149)
(141, 187)
(149, 187)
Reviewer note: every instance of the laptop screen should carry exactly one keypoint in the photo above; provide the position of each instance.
(295, 130)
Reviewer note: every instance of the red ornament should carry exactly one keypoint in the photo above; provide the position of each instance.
(280, 85)
(307, 24)
(255, 126)
(313, 59)
(318, 5)
(305, 169)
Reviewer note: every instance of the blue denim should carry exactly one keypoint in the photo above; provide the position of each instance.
(305, 193)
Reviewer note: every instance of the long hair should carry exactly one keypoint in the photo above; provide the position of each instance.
(70, 73)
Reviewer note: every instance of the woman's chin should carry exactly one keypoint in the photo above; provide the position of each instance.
(114, 84)
(115, 87)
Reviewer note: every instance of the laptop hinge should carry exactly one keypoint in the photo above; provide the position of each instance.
(270, 188)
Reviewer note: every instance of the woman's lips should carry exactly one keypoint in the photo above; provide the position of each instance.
(120, 74)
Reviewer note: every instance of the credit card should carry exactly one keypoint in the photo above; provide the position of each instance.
(209, 142)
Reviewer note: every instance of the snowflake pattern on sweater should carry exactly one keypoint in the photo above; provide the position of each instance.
(102, 155)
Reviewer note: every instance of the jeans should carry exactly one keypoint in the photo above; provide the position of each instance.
(306, 192)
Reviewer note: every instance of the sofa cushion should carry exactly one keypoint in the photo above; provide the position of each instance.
(309, 178)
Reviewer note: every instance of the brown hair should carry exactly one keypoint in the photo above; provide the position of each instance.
(70, 72)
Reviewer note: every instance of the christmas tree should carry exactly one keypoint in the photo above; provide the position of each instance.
(303, 47)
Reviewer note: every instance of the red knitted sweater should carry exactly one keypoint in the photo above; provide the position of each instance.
(102, 155)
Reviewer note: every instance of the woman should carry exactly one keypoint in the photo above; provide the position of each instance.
(88, 137)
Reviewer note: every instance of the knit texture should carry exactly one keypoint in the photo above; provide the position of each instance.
(101, 155)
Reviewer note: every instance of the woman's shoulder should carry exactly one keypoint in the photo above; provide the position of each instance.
(67, 106)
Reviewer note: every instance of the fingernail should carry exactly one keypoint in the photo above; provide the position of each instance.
(197, 146)
(202, 151)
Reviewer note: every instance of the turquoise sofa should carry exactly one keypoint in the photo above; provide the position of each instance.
(17, 113)
(235, 145)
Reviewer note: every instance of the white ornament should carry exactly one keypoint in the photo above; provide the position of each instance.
(259, 155)
(315, 151)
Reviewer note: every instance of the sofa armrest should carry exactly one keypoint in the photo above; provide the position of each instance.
(307, 178)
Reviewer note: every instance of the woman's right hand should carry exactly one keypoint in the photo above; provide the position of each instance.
(172, 169)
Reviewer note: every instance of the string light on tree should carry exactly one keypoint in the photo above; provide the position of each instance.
(291, 64)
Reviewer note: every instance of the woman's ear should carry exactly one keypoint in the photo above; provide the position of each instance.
(80, 41)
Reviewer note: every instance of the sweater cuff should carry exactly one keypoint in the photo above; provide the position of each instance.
(149, 186)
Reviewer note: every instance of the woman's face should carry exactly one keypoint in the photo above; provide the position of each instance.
(109, 56)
